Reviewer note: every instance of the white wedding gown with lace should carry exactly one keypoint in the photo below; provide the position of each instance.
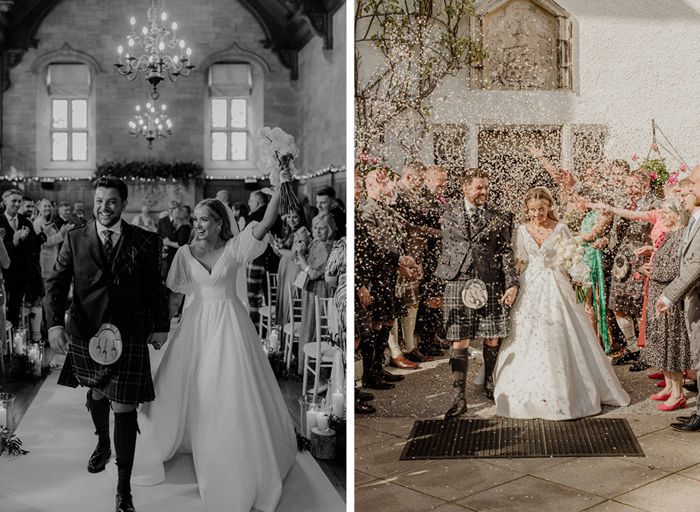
(216, 394)
(551, 366)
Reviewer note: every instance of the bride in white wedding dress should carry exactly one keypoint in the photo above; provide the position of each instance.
(551, 366)
(216, 394)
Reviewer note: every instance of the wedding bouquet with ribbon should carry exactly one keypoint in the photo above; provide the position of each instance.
(570, 258)
(277, 154)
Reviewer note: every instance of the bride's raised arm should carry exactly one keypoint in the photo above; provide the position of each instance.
(261, 229)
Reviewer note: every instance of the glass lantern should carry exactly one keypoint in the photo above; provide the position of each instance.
(310, 409)
(7, 412)
(19, 341)
(35, 352)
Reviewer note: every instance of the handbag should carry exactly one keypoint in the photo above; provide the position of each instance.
(301, 280)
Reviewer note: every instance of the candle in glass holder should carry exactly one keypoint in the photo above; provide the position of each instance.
(19, 343)
(338, 404)
(274, 341)
(3, 417)
(310, 422)
(322, 420)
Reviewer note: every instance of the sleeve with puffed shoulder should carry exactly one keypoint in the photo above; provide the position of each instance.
(246, 247)
(519, 250)
(179, 278)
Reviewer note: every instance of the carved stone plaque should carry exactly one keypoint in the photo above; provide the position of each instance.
(521, 41)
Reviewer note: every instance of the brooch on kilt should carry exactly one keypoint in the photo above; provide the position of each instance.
(475, 295)
(106, 346)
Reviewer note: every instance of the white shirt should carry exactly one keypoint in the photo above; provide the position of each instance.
(10, 220)
(470, 207)
(696, 216)
(116, 232)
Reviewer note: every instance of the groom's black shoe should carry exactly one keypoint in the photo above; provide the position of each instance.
(390, 377)
(692, 425)
(99, 458)
(458, 408)
(125, 503)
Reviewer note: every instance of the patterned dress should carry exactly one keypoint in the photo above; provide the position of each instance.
(667, 344)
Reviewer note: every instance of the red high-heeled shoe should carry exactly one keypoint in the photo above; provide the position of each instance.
(657, 375)
(681, 403)
(663, 398)
(661, 384)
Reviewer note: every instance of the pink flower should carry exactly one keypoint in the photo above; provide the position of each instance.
(653, 175)
(654, 147)
(634, 157)
(374, 160)
(362, 157)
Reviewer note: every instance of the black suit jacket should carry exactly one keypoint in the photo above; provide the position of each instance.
(22, 255)
(130, 290)
(491, 247)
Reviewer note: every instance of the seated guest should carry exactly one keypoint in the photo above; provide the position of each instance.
(312, 258)
(145, 220)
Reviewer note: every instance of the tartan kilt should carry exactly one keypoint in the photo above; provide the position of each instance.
(127, 381)
(463, 323)
(386, 306)
(627, 296)
(363, 321)
(411, 294)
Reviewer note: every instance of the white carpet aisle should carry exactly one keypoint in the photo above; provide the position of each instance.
(57, 431)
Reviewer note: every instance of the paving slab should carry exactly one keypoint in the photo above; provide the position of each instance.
(527, 465)
(381, 495)
(366, 436)
(451, 480)
(692, 472)
(395, 426)
(363, 478)
(675, 493)
(613, 506)
(450, 507)
(646, 424)
(664, 452)
(588, 474)
(382, 459)
(529, 494)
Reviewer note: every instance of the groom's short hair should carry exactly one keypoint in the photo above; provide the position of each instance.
(475, 172)
(112, 182)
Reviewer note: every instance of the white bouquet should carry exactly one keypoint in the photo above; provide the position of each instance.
(570, 257)
(277, 154)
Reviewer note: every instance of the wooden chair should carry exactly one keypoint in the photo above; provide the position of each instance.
(320, 353)
(267, 312)
(290, 331)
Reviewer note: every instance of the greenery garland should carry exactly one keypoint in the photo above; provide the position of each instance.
(10, 443)
(152, 170)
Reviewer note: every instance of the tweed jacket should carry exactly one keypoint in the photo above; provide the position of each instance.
(130, 292)
(491, 247)
(381, 226)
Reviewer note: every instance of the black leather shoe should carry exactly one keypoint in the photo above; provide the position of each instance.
(125, 503)
(458, 408)
(99, 458)
(390, 377)
(363, 396)
(639, 366)
(377, 384)
(626, 358)
(692, 425)
(362, 408)
(683, 419)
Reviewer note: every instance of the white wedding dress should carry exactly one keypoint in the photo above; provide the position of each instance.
(216, 394)
(551, 366)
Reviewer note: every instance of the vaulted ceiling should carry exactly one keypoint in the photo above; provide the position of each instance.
(288, 26)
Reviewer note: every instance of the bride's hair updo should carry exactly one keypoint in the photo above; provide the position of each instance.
(219, 213)
(541, 194)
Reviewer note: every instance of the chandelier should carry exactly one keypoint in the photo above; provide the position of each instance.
(151, 124)
(154, 42)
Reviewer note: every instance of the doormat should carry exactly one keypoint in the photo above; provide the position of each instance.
(505, 437)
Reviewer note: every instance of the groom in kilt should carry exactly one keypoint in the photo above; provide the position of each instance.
(118, 291)
(479, 265)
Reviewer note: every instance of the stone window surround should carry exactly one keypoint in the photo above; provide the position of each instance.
(256, 105)
(45, 167)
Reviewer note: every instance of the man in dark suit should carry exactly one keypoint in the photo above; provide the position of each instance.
(476, 252)
(115, 268)
(21, 242)
(78, 218)
(63, 212)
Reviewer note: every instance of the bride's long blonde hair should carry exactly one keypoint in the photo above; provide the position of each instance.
(542, 194)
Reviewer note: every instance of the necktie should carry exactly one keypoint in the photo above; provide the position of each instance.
(108, 243)
(13, 223)
(688, 230)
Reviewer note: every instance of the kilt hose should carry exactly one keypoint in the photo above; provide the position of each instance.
(462, 323)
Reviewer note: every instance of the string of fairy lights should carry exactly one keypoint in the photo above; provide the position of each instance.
(331, 169)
